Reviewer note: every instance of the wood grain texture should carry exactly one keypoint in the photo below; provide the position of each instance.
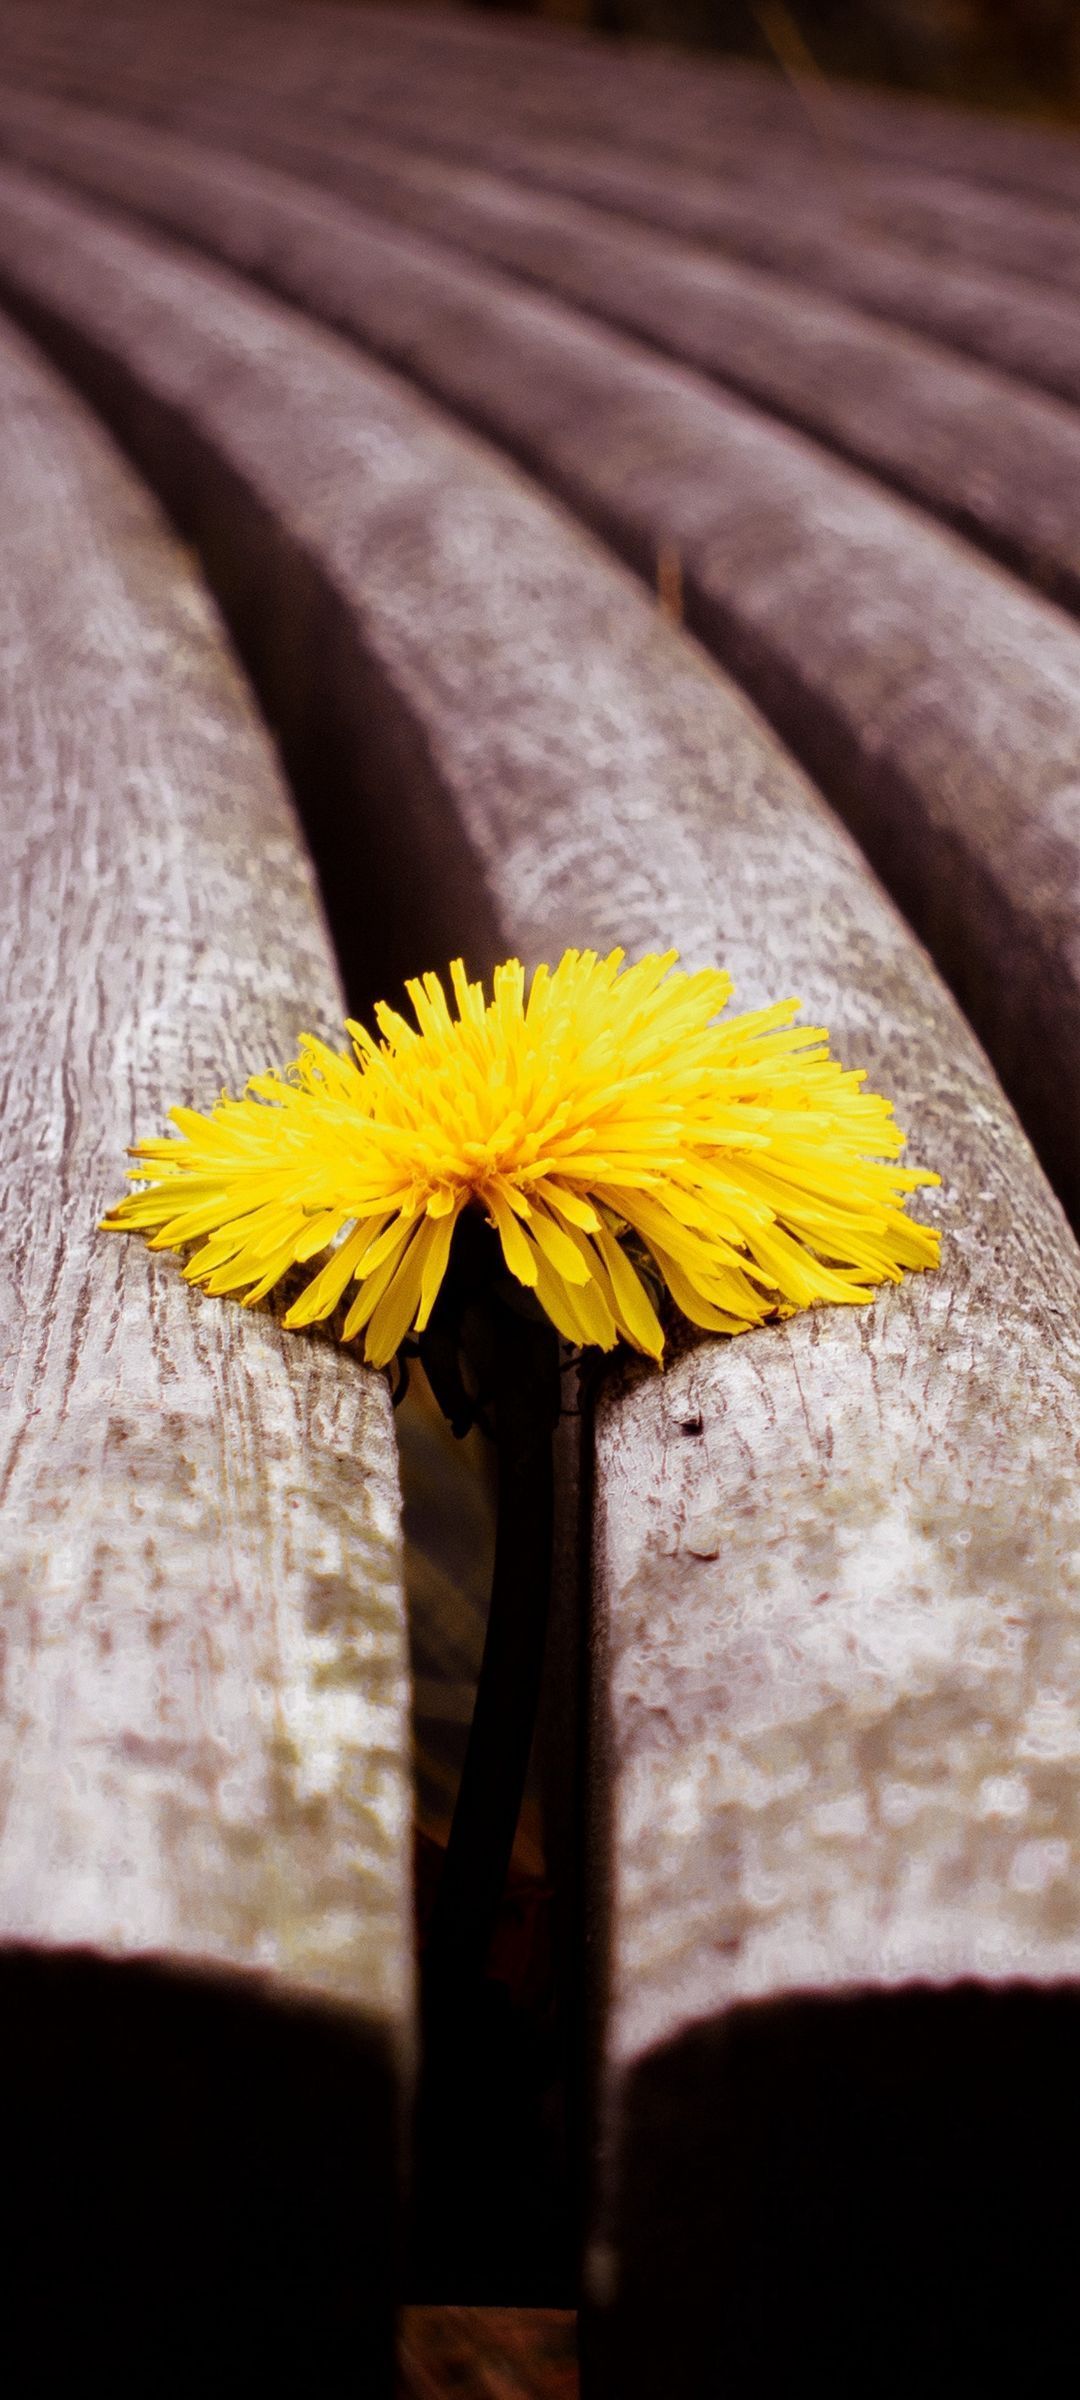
(936, 701)
(698, 113)
(723, 117)
(653, 98)
(664, 98)
(632, 92)
(204, 1748)
(840, 241)
(842, 244)
(1000, 463)
(837, 1659)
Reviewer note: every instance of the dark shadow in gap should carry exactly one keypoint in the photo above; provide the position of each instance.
(491, 2218)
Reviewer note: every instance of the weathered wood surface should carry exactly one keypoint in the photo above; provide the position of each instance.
(936, 702)
(842, 242)
(665, 98)
(695, 113)
(665, 95)
(1000, 463)
(630, 91)
(837, 240)
(204, 1746)
(1040, 159)
(659, 99)
(626, 102)
(837, 1659)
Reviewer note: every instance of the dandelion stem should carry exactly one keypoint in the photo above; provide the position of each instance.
(525, 1396)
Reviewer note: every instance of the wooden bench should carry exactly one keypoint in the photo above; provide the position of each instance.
(996, 460)
(841, 240)
(830, 1897)
(205, 1967)
(735, 128)
(837, 608)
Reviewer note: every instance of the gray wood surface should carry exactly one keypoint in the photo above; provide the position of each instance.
(1000, 463)
(925, 174)
(663, 98)
(204, 1745)
(655, 99)
(839, 238)
(843, 241)
(750, 129)
(936, 701)
(836, 1666)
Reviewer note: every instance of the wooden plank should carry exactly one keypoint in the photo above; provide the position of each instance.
(667, 98)
(205, 1924)
(1001, 464)
(652, 99)
(1030, 330)
(658, 99)
(1004, 152)
(644, 107)
(837, 1643)
(843, 243)
(922, 173)
(836, 605)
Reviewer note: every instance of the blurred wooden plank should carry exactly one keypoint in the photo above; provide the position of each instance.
(1000, 464)
(836, 605)
(843, 245)
(727, 122)
(843, 242)
(205, 1935)
(632, 92)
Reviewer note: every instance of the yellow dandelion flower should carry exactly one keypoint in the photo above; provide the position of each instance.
(605, 1119)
